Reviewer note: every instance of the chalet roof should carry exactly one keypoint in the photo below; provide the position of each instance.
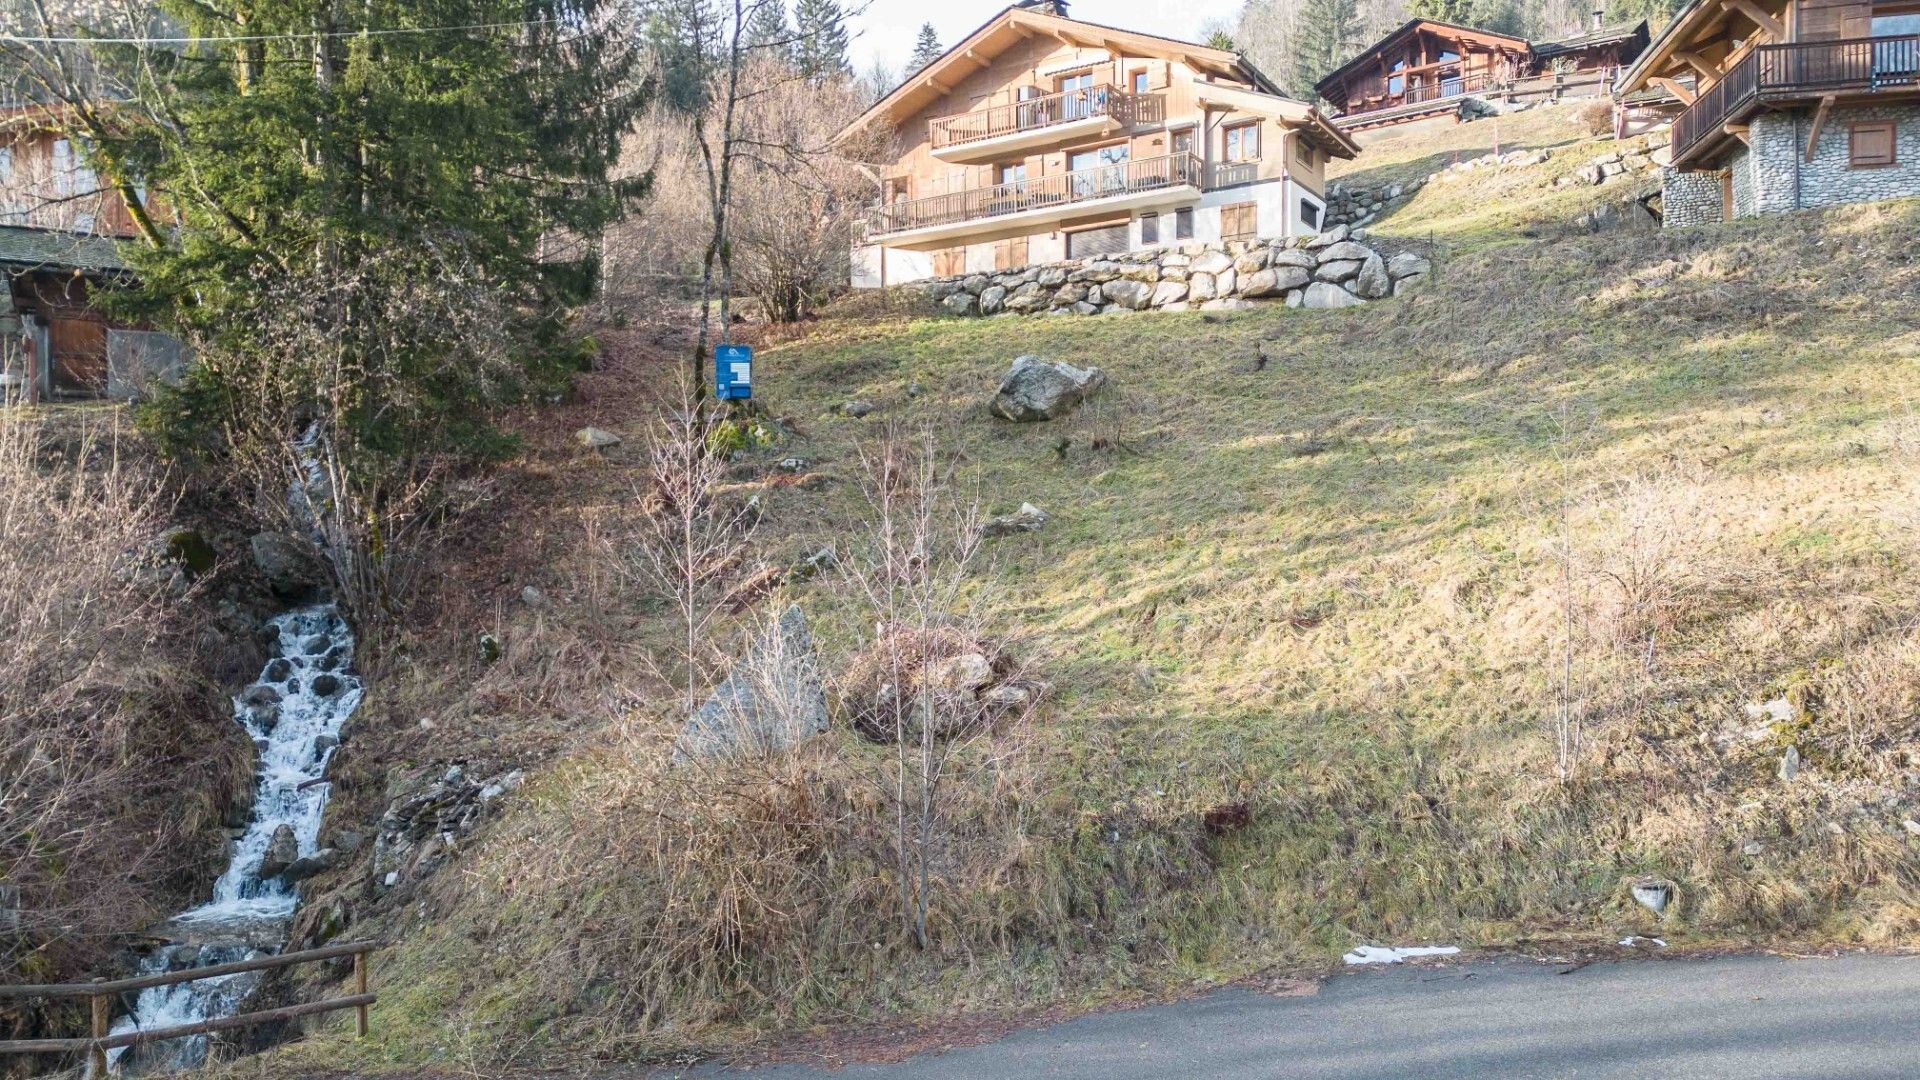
(1653, 56)
(1408, 27)
(1015, 24)
(26, 248)
(1592, 39)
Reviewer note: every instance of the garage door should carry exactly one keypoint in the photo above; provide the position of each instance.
(1111, 240)
(79, 349)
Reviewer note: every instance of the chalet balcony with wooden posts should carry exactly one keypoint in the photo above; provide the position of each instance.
(1088, 111)
(1821, 71)
(1169, 179)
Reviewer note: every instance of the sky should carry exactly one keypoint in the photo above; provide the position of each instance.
(886, 29)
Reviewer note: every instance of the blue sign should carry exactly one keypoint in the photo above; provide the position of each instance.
(733, 372)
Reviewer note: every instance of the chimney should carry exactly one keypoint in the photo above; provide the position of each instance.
(1045, 7)
(1599, 16)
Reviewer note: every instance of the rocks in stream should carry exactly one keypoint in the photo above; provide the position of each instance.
(259, 706)
(772, 700)
(282, 851)
(1036, 389)
(291, 569)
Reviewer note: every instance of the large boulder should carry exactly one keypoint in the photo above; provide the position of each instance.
(1037, 389)
(1322, 294)
(1292, 257)
(282, 851)
(1407, 264)
(1372, 282)
(992, 299)
(291, 568)
(1337, 270)
(1212, 262)
(1272, 281)
(1127, 293)
(1345, 249)
(772, 700)
(959, 303)
(1169, 292)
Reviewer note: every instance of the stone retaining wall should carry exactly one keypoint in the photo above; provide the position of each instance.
(1336, 268)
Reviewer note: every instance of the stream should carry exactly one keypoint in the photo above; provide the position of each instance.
(293, 712)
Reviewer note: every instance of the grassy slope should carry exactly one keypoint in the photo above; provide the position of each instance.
(1330, 588)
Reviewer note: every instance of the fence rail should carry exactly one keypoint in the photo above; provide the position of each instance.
(1120, 178)
(1045, 111)
(100, 996)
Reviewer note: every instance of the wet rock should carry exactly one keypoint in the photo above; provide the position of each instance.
(772, 700)
(260, 706)
(326, 684)
(282, 851)
(316, 645)
(278, 669)
(291, 568)
(1036, 389)
(303, 868)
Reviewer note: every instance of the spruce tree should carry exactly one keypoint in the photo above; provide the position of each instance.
(926, 48)
(1325, 35)
(317, 162)
(821, 53)
(768, 32)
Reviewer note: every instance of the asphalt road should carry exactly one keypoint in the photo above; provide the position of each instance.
(1749, 1018)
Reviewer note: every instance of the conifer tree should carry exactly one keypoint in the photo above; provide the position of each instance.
(926, 48)
(821, 53)
(768, 32)
(1325, 35)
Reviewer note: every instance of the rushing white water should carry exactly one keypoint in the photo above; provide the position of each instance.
(293, 712)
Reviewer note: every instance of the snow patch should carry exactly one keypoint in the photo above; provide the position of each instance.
(1379, 954)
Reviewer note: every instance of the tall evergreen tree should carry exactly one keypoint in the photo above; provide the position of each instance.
(926, 48)
(1325, 35)
(767, 30)
(821, 52)
(314, 161)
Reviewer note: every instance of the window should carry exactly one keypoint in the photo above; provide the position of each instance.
(1183, 223)
(1398, 82)
(1183, 142)
(1243, 142)
(1896, 57)
(1303, 153)
(1098, 172)
(1870, 144)
(1012, 174)
(1239, 221)
(1309, 214)
(1149, 228)
(1139, 80)
(1107, 240)
(1082, 81)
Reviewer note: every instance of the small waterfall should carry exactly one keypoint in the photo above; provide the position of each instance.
(294, 712)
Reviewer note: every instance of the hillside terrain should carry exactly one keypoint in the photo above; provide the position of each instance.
(1445, 619)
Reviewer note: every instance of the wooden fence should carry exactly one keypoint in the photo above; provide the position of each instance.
(100, 996)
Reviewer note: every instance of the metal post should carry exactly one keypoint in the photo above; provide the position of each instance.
(360, 987)
(97, 1054)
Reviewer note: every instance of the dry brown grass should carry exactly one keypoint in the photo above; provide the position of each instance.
(118, 765)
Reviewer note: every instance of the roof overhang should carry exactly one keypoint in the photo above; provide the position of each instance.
(1292, 114)
(1014, 25)
(1659, 58)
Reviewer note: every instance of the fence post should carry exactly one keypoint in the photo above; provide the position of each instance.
(360, 987)
(97, 1054)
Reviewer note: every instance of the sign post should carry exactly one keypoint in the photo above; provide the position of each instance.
(733, 372)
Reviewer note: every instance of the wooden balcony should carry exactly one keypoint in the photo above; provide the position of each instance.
(1125, 183)
(1779, 73)
(983, 133)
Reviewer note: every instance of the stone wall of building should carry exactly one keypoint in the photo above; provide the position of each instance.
(1689, 198)
(1746, 193)
(1336, 268)
(1785, 180)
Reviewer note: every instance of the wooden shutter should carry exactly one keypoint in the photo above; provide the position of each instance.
(1238, 221)
(949, 262)
(1870, 144)
(1010, 254)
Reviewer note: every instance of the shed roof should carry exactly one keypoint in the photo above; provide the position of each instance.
(26, 248)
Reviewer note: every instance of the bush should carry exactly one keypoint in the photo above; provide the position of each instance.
(1595, 117)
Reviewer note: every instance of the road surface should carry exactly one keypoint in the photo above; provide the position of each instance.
(1747, 1017)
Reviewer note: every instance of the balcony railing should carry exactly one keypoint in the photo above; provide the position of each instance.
(1794, 70)
(1043, 112)
(1060, 189)
(1451, 86)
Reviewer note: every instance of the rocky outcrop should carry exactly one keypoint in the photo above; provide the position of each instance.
(290, 568)
(425, 821)
(1037, 389)
(772, 700)
(1029, 518)
(1209, 277)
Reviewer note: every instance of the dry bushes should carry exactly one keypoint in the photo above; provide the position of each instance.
(113, 770)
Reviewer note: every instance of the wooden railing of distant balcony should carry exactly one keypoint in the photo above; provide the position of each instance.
(1798, 69)
(1044, 112)
(1060, 189)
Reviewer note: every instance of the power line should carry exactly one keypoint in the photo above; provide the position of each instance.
(289, 36)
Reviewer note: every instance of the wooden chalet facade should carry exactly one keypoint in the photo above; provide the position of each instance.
(1786, 105)
(1041, 138)
(60, 237)
(1425, 67)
